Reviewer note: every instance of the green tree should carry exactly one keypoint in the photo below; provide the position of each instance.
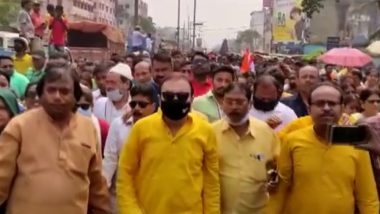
(147, 24)
(247, 37)
(9, 11)
(312, 6)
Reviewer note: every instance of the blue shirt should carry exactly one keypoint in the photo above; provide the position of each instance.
(296, 103)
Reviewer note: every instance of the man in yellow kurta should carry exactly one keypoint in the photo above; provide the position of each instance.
(169, 164)
(317, 177)
(246, 146)
(49, 159)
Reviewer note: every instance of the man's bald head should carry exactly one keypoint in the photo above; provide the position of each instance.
(307, 78)
(309, 69)
(142, 65)
(142, 72)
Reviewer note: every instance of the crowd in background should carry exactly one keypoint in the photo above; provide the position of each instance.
(183, 133)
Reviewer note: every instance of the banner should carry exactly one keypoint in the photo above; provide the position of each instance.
(289, 22)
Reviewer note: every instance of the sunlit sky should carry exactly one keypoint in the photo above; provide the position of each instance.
(221, 18)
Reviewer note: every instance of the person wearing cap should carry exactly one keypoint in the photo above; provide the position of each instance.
(24, 19)
(118, 84)
(35, 73)
(18, 82)
(22, 60)
(38, 19)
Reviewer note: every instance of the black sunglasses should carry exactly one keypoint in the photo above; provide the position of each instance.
(142, 104)
(84, 106)
(180, 96)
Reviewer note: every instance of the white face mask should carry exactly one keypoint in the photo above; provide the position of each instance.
(239, 123)
(115, 95)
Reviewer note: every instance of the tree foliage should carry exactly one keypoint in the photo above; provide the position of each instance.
(8, 11)
(247, 37)
(310, 7)
(147, 24)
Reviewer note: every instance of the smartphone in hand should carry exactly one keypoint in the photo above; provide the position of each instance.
(351, 135)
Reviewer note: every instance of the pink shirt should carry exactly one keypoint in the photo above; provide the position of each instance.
(38, 22)
(58, 31)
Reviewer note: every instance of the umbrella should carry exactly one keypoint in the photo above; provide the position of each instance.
(374, 48)
(349, 57)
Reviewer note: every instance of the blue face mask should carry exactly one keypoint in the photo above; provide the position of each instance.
(84, 112)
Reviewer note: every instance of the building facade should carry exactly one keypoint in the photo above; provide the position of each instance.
(102, 11)
(105, 12)
(257, 24)
(125, 11)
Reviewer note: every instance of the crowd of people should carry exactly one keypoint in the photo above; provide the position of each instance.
(36, 27)
(177, 133)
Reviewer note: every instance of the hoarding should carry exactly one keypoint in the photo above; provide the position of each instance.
(289, 22)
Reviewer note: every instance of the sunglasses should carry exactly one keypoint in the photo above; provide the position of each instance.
(142, 104)
(84, 106)
(180, 96)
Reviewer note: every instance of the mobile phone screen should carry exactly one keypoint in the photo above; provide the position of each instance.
(348, 135)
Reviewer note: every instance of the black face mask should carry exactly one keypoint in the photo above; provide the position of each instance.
(264, 106)
(175, 110)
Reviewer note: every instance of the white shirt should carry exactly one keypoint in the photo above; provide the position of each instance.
(117, 136)
(96, 94)
(105, 109)
(282, 111)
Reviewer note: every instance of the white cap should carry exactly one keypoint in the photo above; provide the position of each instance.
(123, 70)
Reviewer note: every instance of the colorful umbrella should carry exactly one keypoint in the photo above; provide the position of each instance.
(349, 57)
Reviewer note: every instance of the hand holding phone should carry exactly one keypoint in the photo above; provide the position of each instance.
(351, 135)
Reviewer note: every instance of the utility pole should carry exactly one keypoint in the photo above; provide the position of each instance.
(136, 17)
(194, 22)
(178, 24)
(183, 35)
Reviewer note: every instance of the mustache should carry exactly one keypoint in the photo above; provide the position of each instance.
(137, 113)
(234, 114)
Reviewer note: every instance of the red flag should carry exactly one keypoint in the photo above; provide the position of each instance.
(246, 62)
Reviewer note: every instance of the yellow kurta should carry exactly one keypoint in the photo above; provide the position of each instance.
(48, 171)
(318, 178)
(164, 174)
(242, 165)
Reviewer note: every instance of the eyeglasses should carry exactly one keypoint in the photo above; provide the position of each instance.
(180, 96)
(374, 101)
(84, 106)
(142, 104)
(323, 103)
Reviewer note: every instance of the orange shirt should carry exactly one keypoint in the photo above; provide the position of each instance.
(52, 171)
